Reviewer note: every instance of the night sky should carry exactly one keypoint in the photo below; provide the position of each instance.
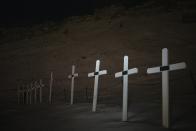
(41, 10)
(30, 11)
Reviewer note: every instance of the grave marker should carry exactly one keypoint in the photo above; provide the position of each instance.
(165, 68)
(125, 73)
(72, 77)
(96, 74)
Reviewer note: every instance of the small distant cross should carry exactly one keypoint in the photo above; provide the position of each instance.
(72, 77)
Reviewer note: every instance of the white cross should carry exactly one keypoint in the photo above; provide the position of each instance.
(165, 68)
(72, 77)
(125, 74)
(96, 74)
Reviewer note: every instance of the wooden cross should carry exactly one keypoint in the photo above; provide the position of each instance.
(125, 73)
(72, 77)
(165, 68)
(96, 74)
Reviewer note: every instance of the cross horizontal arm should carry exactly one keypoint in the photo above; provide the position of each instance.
(91, 74)
(74, 75)
(177, 66)
(103, 72)
(153, 70)
(129, 72)
(118, 74)
(171, 67)
(132, 71)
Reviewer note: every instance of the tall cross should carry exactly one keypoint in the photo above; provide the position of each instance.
(126, 71)
(72, 77)
(96, 74)
(165, 68)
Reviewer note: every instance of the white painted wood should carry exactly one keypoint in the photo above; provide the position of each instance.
(133, 71)
(72, 77)
(125, 85)
(165, 84)
(95, 94)
(165, 90)
(177, 66)
(153, 70)
(118, 74)
(125, 90)
(172, 67)
(103, 72)
(51, 86)
(96, 86)
(91, 74)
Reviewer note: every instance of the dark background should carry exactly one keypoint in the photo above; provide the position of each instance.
(14, 12)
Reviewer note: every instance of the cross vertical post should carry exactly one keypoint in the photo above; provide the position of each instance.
(165, 89)
(72, 77)
(95, 93)
(96, 74)
(126, 71)
(164, 69)
(125, 89)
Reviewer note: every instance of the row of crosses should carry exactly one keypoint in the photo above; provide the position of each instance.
(164, 69)
(26, 92)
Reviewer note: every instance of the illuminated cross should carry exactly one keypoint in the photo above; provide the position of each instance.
(72, 77)
(165, 68)
(125, 74)
(96, 74)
